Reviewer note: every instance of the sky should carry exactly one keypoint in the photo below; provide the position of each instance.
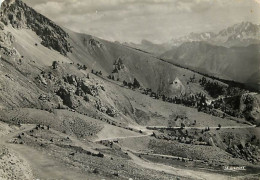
(154, 20)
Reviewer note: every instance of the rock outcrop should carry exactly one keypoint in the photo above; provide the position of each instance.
(68, 97)
(19, 15)
(176, 87)
(6, 41)
(250, 107)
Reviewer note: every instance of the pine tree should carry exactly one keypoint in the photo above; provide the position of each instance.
(136, 84)
(54, 65)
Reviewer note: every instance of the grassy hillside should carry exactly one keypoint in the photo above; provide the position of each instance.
(237, 63)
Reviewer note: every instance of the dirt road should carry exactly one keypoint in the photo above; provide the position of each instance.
(177, 171)
(42, 165)
(123, 137)
(200, 128)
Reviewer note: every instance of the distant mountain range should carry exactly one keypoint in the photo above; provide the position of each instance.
(241, 35)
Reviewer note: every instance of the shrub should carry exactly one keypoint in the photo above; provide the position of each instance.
(54, 65)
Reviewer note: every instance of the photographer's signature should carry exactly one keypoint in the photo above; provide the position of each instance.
(234, 168)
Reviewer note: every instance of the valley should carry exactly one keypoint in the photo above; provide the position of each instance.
(74, 106)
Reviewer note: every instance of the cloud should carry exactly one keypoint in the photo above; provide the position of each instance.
(155, 20)
(257, 1)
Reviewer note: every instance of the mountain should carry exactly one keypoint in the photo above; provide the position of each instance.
(33, 31)
(236, 63)
(238, 35)
(47, 67)
(242, 34)
(207, 36)
(73, 106)
(233, 53)
(38, 39)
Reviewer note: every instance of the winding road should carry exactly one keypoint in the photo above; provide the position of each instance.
(193, 174)
(200, 128)
(44, 166)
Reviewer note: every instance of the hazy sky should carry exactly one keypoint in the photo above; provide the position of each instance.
(154, 20)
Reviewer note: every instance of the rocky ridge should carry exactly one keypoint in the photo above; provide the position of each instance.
(19, 15)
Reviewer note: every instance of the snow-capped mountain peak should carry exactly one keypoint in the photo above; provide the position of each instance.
(241, 34)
